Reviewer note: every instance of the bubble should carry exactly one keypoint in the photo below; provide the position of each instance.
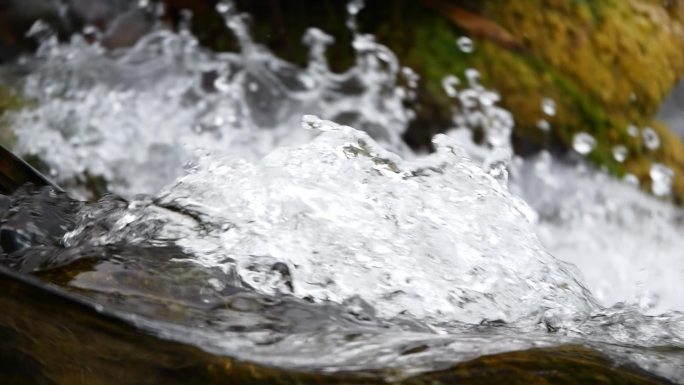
(620, 153)
(651, 139)
(548, 106)
(583, 143)
(465, 44)
(661, 176)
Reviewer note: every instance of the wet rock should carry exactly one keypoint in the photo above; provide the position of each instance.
(54, 338)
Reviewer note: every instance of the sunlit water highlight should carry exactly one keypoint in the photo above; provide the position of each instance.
(430, 249)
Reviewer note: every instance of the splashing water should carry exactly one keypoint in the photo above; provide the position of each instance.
(350, 219)
(108, 113)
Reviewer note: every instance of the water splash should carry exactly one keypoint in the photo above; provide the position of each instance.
(436, 242)
(324, 210)
(167, 100)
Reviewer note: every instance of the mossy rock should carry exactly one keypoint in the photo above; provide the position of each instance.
(605, 64)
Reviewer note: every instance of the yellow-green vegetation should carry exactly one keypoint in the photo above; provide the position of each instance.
(8, 101)
(606, 65)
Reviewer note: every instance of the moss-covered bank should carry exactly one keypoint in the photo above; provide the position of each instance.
(606, 64)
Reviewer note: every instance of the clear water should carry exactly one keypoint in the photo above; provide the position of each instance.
(313, 244)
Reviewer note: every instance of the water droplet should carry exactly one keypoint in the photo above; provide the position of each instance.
(449, 84)
(307, 81)
(90, 30)
(651, 139)
(661, 176)
(473, 76)
(631, 179)
(223, 7)
(465, 44)
(253, 87)
(355, 6)
(411, 77)
(39, 30)
(548, 106)
(159, 10)
(489, 98)
(543, 125)
(632, 130)
(143, 3)
(583, 143)
(620, 153)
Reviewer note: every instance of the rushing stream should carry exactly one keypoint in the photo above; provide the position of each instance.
(284, 236)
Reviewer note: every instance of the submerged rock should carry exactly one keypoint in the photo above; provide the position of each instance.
(50, 337)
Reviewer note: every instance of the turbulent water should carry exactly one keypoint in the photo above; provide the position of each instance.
(304, 242)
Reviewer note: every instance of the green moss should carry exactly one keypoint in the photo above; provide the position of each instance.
(605, 64)
(9, 101)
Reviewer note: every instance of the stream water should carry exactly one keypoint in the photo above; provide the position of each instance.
(284, 236)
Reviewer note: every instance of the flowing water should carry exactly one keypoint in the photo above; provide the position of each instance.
(273, 231)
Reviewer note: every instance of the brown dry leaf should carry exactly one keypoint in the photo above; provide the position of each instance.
(476, 25)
